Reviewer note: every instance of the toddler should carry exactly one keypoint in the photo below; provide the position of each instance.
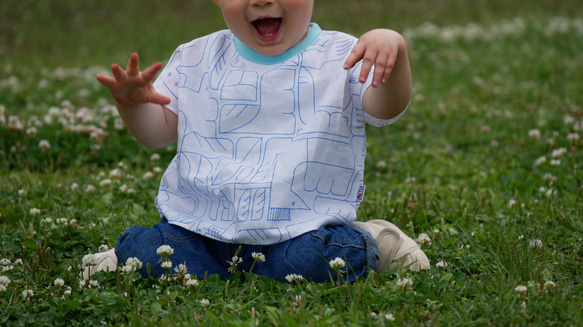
(269, 118)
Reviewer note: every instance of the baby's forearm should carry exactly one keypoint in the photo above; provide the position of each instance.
(389, 99)
(151, 124)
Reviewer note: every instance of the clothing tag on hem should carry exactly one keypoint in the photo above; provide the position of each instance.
(360, 194)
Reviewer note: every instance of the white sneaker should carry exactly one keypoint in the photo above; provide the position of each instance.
(106, 261)
(394, 246)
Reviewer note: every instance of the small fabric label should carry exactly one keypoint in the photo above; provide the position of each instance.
(360, 194)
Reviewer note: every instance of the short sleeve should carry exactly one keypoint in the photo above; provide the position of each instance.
(378, 122)
(372, 120)
(168, 81)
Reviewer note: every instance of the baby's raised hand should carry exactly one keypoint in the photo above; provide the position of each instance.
(380, 48)
(129, 87)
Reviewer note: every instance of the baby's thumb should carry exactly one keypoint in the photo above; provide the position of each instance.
(160, 99)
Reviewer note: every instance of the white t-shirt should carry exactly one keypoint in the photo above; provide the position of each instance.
(269, 147)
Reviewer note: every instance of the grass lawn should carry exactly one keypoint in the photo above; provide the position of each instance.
(485, 170)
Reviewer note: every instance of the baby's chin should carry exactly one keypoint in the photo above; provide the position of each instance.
(270, 50)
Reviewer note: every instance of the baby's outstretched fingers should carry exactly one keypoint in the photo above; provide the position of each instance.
(133, 68)
(151, 72)
(118, 72)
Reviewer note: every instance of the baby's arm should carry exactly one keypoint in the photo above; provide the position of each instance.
(141, 108)
(391, 84)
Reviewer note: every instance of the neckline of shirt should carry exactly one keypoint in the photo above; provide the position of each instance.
(258, 58)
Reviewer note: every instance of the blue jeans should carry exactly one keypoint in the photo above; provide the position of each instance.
(307, 255)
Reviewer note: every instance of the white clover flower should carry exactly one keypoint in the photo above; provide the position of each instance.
(105, 183)
(573, 137)
(258, 256)
(550, 178)
(205, 302)
(18, 262)
(155, 157)
(93, 283)
(115, 173)
(95, 148)
(555, 162)
(512, 203)
(118, 124)
(535, 243)
(534, 133)
(337, 263)
(59, 282)
(103, 248)
(549, 284)
(89, 260)
(390, 317)
(540, 160)
(558, 152)
(405, 282)
(34, 212)
(22, 192)
(294, 278)
(381, 164)
(31, 131)
(89, 188)
(166, 264)
(44, 145)
(14, 123)
(181, 269)
(520, 289)
(236, 260)
(569, 120)
(74, 187)
(27, 293)
(192, 283)
(68, 291)
(5, 262)
(127, 270)
(134, 263)
(165, 250)
(441, 264)
(82, 283)
(424, 239)
(97, 135)
(373, 315)
(4, 280)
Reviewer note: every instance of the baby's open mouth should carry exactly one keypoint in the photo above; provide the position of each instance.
(267, 28)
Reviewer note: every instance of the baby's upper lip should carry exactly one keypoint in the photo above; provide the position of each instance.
(264, 17)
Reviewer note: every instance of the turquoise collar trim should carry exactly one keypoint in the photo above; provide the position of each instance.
(256, 57)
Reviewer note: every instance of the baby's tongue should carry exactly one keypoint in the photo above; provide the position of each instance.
(267, 25)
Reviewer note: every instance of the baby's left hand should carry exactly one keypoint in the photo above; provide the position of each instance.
(380, 48)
